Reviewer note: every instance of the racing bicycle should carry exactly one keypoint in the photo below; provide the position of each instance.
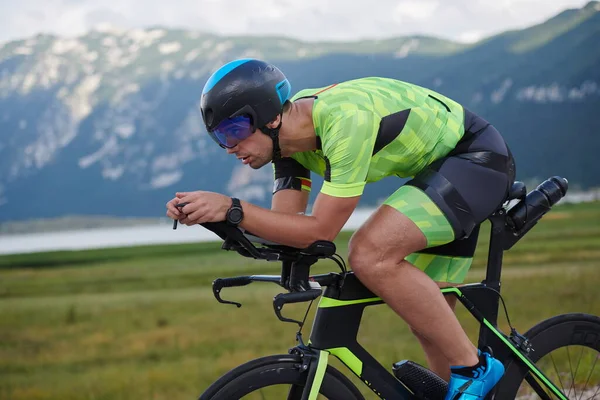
(305, 373)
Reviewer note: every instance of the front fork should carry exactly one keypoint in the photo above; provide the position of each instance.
(315, 363)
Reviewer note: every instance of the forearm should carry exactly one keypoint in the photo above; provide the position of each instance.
(290, 201)
(283, 227)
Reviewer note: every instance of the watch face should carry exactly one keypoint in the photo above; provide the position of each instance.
(235, 216)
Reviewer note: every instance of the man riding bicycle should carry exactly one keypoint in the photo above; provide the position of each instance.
(352, 133)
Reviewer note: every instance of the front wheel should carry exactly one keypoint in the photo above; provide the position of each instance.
(567, 351)
(275, 377)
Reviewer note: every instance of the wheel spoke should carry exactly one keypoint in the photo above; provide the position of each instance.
(576, 369)
(557, 373)
(570, 370)
(549, 339)
(594, 395)
(590, 375)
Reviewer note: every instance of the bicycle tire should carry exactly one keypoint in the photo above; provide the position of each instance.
(545, 337)
(278, 370)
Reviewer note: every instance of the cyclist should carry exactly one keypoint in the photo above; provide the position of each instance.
(352, 133)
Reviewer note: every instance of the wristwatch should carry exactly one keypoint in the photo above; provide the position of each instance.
(235, 214)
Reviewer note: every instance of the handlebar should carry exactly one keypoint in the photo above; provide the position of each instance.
(296, 263)
(242, 242)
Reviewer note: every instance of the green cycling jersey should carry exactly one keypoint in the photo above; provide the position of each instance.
(371, 128)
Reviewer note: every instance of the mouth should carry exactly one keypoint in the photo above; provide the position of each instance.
(245, 160)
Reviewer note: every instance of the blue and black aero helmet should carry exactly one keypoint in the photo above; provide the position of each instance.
(240, 97)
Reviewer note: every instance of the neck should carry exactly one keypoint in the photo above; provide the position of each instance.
(297, 132)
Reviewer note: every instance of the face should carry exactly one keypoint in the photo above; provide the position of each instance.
(255, 151)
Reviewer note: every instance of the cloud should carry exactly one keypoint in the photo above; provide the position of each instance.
(416, 9)
(470, 36)
(306, 19)
(102, 16)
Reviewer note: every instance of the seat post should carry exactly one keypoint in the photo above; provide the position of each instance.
(492, 278)
(496, 249)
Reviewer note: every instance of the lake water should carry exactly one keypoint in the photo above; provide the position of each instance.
(161, 233)
(126, 236)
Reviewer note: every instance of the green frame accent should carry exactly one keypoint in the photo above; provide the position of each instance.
(319, 375)
(529, 364)
(348, 358)
(503, 338)
(452, 290)
(327, 302)
(335, 329)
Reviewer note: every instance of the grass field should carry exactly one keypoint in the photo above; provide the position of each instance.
(141, 323)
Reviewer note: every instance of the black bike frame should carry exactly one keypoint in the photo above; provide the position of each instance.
(340, 311)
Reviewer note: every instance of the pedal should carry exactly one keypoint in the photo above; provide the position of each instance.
(424, 383)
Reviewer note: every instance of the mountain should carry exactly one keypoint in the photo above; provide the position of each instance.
(108, 123)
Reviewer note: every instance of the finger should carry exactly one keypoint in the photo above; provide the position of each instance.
(197, 214)
(188, 198)
(190, 222)
(171, 215)
(172, 209)
(180, 195)
(180, 204)
(172, 205)
(189, 208)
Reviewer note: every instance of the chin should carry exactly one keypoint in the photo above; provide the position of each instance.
(258, 164)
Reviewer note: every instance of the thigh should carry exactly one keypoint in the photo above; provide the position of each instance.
(408, 221)
(417, 206)
(447, 264)
(387, 235)
(444, 258)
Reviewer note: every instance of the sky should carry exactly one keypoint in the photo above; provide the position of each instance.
(310, 20)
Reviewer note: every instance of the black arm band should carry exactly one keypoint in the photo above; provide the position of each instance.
(288, 182)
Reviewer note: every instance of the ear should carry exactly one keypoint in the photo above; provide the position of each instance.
(275, 122)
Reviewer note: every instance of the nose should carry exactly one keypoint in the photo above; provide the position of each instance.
(231, 150)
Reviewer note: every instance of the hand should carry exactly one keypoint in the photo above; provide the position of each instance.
(202, 207)
(173, 211)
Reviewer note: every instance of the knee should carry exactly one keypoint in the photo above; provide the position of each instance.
(360, 255)
(366, 257)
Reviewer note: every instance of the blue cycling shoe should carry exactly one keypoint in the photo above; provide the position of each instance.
(468, 383)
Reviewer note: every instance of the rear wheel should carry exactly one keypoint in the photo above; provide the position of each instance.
(567, 351)
(278, 377)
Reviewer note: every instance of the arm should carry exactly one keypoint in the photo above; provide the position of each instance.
(290, 201)
(348, 154)
(291, 187)
(347, 158)
(329, 216)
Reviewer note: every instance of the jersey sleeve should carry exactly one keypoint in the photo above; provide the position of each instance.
(288, 173)
(348, 147)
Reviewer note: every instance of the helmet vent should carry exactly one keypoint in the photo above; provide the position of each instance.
(283, 89)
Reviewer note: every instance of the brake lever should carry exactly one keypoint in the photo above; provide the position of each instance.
(220, 283)
(295, 297)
